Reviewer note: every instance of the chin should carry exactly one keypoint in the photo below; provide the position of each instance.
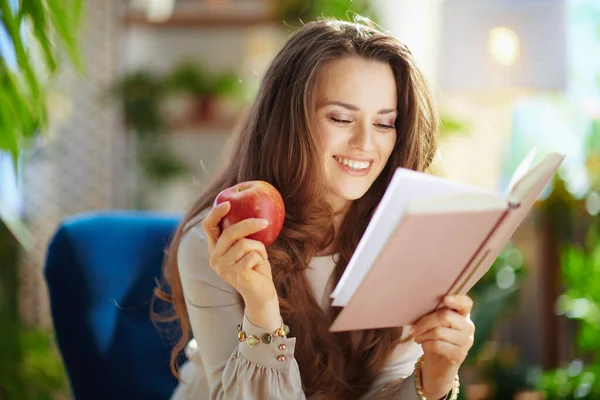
(350, 193)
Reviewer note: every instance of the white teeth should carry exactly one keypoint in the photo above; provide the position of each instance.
(354, 164)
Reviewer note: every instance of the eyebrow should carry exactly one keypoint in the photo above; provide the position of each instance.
(352, 107)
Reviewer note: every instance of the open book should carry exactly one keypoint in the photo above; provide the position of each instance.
(430, 237)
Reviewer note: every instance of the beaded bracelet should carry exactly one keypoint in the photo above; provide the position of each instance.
(267, 338)
(453, 395)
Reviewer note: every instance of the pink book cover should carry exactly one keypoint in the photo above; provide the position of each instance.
(428, 256)
(415, 269)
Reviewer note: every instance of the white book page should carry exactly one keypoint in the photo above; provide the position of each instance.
(521, 188)
(523, 168)
(406, 187)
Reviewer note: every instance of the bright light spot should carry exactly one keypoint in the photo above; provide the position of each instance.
(505, 278)
(583, 390)
(592, 203)
(575, 368)
(160, 10)
(514, 257)
(503, 44)
(576, 180)
(579, 308)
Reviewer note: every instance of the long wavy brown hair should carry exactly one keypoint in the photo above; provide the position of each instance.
(278, 142)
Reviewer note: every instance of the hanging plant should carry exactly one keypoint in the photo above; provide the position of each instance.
(46, 26)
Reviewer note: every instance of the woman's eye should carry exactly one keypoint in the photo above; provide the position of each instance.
(339, 121)
(384, 126)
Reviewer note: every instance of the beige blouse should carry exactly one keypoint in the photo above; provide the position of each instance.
(220, 367)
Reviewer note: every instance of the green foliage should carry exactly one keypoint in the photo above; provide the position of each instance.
(39, 373)
(576, 381)
(10, 352)
(294, 11)
(54, 24)
(451, 125)
(30, 366)
(140, 93)
(41, 366)
(192, 78)
(580, 302)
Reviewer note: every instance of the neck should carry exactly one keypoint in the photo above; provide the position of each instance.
(337, 222)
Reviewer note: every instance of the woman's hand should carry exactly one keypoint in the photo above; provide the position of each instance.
(446, 336)
(243, 263)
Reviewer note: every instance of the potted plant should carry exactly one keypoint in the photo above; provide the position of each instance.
(203, 89)
(140, 94)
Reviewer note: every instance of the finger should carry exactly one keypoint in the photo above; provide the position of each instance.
(250, 268)
(211, 223)
(254, 262)
(443, 317)
(238, 231)
(241, 248)
(454, 354)
(245, 269)
(453, 336)
(460, 303)
(242, 270)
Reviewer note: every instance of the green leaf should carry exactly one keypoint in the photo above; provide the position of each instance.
(55, 26)
(451, 125)
(9, 118)
(36, 12)
(66, 25)
(10, 22)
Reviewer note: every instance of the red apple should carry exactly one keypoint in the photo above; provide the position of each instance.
(254, 199)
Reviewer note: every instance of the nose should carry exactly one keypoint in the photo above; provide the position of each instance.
(362, 137)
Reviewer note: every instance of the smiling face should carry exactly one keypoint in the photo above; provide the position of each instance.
(356, 103)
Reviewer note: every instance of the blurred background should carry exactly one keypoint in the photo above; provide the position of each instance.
(129, 105)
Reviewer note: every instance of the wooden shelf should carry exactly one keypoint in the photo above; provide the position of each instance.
(198, 128)
(194, 21)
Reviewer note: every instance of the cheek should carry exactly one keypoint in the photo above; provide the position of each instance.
(330, 138)
(324, 134)
(386, 146)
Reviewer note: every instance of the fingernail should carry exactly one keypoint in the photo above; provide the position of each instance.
(264, 223)
(450, 299)
(411, 331)
(225, 204)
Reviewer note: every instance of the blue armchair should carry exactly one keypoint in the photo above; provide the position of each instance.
(100, 270)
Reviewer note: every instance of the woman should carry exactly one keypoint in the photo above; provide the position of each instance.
(340, 107)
